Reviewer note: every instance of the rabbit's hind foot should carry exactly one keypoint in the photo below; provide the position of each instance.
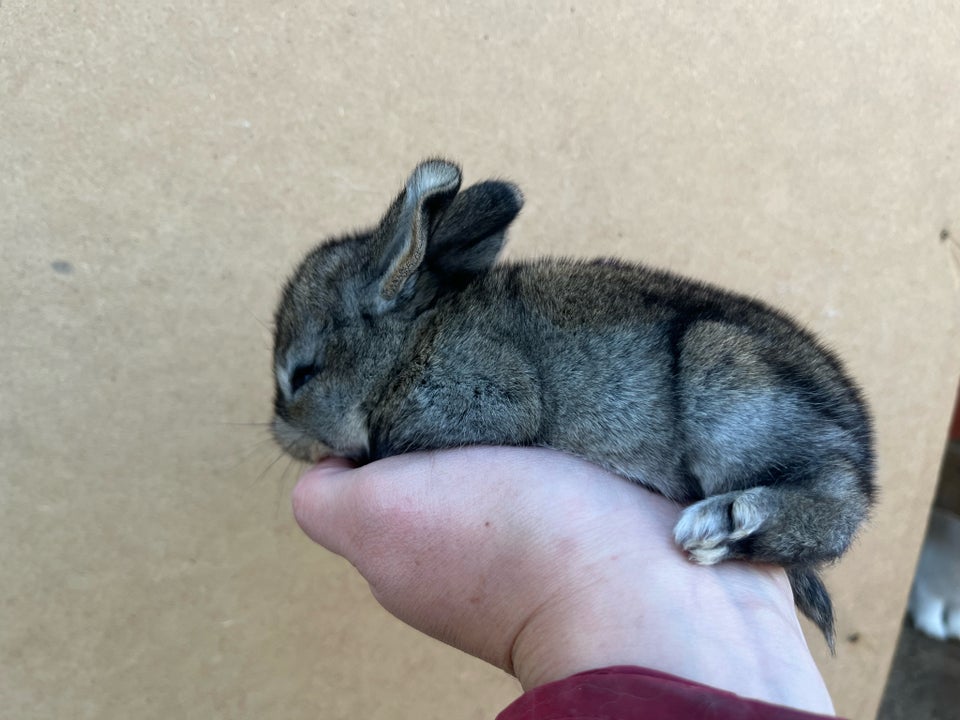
(775, 524)
(709, 529)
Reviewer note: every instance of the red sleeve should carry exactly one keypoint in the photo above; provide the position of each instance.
(631, 693)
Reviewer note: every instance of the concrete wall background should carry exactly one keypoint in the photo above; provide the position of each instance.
(163, 165)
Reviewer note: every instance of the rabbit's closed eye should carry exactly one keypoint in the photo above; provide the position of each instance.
(301, 375)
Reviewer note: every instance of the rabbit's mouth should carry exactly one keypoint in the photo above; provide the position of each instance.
(294, 442)
(316, 451)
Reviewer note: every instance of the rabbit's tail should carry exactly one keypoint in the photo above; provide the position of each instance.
(812, 598)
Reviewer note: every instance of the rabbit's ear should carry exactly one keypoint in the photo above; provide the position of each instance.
(471, 231)
(406, 228)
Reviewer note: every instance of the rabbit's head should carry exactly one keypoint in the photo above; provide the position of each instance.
(350, 307)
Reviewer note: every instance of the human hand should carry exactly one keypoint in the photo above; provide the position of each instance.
(545, 565)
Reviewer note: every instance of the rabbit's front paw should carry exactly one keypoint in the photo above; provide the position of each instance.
(708, 529)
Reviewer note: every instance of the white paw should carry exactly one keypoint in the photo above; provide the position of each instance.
(707, 528)
(935, 596)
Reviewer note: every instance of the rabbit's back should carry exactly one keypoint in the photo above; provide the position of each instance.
(673, 383)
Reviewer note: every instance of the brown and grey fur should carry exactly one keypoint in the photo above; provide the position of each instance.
(410, 337)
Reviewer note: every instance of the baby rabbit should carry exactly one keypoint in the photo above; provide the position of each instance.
(409, 337)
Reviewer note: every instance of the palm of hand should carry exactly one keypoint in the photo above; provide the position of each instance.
(545, 565)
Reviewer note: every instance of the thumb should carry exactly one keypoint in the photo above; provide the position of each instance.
(320, 503)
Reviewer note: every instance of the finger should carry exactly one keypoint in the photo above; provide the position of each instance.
(319, 504)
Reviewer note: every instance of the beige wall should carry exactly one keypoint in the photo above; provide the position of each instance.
(181, 155)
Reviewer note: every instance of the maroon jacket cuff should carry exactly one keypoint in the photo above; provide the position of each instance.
(631, 693)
